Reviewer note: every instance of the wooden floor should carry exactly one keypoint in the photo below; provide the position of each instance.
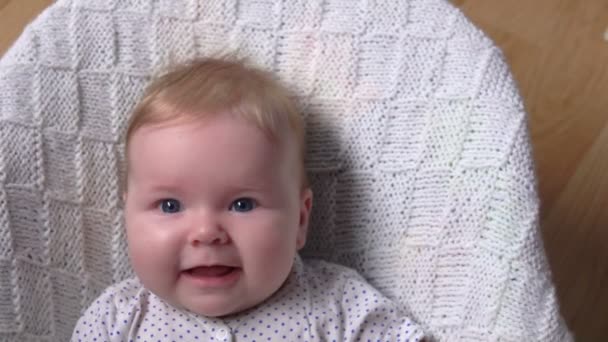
(559, 57)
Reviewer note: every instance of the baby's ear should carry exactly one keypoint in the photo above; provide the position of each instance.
(305, 208)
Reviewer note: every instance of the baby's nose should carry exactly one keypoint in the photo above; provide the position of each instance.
(208, 232)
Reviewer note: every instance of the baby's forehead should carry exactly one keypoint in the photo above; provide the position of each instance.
(276, 156)
(279, 134)
(249, 135)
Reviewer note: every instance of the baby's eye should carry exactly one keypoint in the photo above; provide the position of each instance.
(243, 205)
(170, 206)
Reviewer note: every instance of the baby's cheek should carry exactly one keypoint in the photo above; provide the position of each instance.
(272, 248)
(150, 246)
(268, 236)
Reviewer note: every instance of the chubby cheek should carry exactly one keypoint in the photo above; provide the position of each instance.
(152, 250)
(267, 250)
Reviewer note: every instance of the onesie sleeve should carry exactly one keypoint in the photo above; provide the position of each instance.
(345, 307)
(110, 317)
(369, 315)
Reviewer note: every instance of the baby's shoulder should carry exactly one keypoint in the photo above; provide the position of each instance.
(125, 294)
(110, 315)
(346, 307)
(330, 275)
(336, 287)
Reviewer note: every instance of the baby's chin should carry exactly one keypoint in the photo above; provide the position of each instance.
(218, 310)
(219, 305)
(212, 311)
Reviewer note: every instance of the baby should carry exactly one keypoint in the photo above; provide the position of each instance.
(217, 204)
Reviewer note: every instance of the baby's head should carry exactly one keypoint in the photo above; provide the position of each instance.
(216, 199)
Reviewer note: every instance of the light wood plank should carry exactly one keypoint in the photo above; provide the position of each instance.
(579, 243)
(14, 15)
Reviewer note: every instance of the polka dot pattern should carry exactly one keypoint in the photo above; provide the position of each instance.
(319, 301)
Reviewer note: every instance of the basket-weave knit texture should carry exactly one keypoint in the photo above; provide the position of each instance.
(418, 154)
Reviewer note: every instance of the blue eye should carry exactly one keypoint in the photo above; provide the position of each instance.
(170, 206)
(243, 205)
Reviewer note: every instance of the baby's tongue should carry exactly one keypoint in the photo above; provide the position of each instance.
(210, 271)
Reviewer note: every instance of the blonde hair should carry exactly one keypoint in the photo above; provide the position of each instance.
(212, 86)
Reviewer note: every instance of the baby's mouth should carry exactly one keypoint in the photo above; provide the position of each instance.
(211, 271)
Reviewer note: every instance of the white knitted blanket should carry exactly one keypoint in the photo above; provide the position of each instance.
(418, 153)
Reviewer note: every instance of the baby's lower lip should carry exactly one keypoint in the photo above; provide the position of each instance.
(209, 278)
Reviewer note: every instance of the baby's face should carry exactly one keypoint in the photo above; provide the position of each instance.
(214, 213)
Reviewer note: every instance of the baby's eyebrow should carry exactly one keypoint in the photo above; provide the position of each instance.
(163, 188)
(251, 188)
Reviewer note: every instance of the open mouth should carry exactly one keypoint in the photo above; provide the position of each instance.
(217, 276)
(210, 271)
